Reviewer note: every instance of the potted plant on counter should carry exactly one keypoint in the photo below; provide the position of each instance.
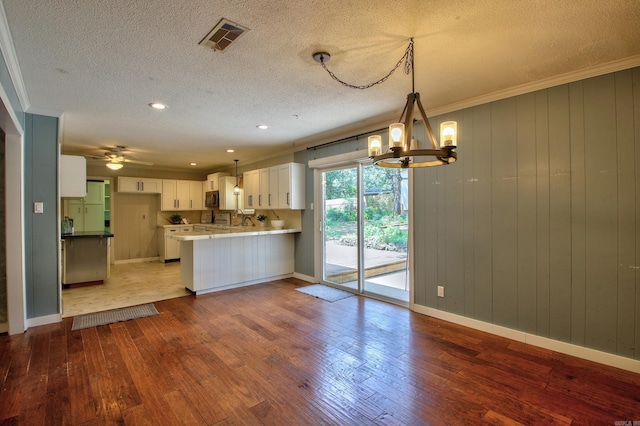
(261, 218)
(175, 218)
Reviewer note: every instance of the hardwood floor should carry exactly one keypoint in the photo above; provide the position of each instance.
(268, 354)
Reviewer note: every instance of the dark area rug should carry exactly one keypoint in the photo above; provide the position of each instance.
(324, 292)
(114, 315)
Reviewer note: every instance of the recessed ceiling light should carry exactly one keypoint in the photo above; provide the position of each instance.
(231, 150)
(262, 126)
(157, 105)
(193, 164)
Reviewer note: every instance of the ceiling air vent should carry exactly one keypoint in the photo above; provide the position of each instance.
(223, 34)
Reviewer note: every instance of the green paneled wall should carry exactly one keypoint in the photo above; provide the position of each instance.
(41, 230)
(536, 227)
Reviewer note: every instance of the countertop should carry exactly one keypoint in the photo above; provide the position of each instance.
(88, 234)
(231, 232)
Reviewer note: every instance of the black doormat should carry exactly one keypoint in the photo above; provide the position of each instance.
(324, 292)
(114, 315)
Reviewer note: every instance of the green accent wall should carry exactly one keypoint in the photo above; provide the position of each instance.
(537, 226)
(41, 230)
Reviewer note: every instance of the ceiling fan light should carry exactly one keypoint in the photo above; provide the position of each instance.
(114, 166)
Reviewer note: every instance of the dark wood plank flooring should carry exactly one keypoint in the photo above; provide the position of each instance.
(270, 355)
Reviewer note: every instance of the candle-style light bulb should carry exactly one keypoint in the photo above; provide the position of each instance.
(396, 135)
(375, 145)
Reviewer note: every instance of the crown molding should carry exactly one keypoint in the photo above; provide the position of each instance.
(44, 111)
(570, 77)
(11, 59)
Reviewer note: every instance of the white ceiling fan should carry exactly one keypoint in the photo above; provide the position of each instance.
(115, 158)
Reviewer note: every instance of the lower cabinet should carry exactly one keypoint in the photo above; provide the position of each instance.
(221, 263)
(170, 249)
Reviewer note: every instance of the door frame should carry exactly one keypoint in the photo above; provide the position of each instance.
(342, 161)
(14, 172)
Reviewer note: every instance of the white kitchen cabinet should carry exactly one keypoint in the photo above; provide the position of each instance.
(251, 183)
(169, 194)
(139, 185)
(212, 181)
(196, 197)
(228, 199)
(170, 249)
(265, 200)
(280, 187)
(181, 195)
(291, 186)
(73, 176)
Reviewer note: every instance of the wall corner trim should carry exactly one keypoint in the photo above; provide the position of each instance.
(531, 339)
(44, 320)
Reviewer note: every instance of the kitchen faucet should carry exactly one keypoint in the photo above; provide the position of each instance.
(245, 217)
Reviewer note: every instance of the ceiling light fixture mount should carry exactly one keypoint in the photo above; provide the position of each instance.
(403, 151)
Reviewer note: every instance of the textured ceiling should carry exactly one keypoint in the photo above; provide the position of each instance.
(101, 62)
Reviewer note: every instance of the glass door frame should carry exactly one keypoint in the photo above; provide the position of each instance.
(319, 212)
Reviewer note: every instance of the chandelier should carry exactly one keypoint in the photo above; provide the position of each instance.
(402, 151)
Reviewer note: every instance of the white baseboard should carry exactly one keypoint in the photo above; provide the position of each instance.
(303, 277)
(531, 339)
(242, 284)
(44, 320)
(141, 260)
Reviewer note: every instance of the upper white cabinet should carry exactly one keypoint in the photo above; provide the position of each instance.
(73, 176)
(139, 185)
(291, 185)
(196, 199)
(251, 183)
(181, 195)
(265, 199)
(228, 199)
(212, 182)
(279, 187)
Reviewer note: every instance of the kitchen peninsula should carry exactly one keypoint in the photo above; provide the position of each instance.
(221, 258)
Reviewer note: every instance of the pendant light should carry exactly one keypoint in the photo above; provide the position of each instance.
(403, 151)
(236, 189)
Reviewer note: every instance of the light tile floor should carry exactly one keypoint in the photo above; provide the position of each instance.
(130, 284)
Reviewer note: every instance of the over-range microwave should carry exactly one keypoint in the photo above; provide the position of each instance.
(212, 199)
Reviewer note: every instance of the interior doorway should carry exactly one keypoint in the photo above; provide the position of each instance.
(365, 230)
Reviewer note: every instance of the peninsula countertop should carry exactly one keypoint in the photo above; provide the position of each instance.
(230, 232)
(87, 234)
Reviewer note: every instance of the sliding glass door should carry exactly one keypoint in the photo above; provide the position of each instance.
(365, 230)
(340, 227)
(386, 232)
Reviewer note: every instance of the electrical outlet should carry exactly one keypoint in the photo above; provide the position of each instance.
(440, 291)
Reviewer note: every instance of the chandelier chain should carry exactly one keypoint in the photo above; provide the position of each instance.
(407, 58)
